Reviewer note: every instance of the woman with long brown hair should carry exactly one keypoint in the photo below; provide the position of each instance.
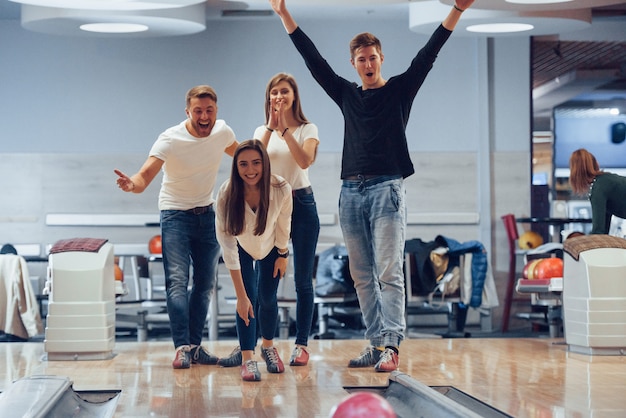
(606, 191)
(291, 142)
(253, 221)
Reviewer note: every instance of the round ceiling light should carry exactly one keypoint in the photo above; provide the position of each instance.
(113, 27)
(537, 1)
(536, 5)
(111, 5)
(499, 27)
(426, 16)
(162, 22)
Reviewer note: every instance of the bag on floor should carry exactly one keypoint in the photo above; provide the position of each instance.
(333, 275)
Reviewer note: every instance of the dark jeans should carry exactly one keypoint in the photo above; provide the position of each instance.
(305, 229)
(189, 240)
(261, 288)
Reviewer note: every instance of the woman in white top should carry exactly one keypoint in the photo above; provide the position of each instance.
(291, 142)
(253, 222)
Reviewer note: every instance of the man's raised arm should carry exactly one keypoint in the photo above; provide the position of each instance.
(281, 10)
(453, 17)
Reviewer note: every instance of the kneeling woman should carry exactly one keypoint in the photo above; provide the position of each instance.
(253, 221)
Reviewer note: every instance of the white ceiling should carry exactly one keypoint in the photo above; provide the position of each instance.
(375, 9)
(525, 5)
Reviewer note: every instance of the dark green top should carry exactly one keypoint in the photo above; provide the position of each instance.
(607, 195)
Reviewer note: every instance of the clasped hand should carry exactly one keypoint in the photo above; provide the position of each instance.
(276, 120)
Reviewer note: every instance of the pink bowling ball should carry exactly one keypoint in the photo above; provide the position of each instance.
(362, 405)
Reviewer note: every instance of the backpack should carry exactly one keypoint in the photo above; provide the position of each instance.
(333, 274)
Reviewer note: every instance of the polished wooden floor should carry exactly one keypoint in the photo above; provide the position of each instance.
(522, 377)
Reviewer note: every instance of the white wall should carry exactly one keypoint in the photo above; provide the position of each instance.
(68, 95)
(73, 109)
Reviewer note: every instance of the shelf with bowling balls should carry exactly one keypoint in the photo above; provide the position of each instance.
(544, 274)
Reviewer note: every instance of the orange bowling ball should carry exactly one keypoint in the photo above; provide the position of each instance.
(119, 274)
(548, 268)
(363, 405)
(154, 245)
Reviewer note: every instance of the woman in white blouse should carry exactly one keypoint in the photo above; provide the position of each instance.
(253, 222)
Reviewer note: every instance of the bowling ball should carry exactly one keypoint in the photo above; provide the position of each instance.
(574, 234)
(119, 274)
(529, 240)
(363, 405)
(528, 272)
(548, 268)
(154, 245)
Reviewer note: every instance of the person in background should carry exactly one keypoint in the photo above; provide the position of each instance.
(189, 154)
(253, 221)
(375, 161)
(606, 191)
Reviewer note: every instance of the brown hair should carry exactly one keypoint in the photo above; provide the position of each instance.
(201, 92)
(296, 108)
(234, 204)
(362, 40)
(583, 168)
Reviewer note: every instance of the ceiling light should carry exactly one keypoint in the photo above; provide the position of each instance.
(499, 27)
(536, 5)
(153, 22)
(113, 27)
(426, 16)
(537, 1)
(118, 5)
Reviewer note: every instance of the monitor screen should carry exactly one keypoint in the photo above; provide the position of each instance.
(601, 131)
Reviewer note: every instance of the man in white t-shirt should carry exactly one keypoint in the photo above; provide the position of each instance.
(189, 154)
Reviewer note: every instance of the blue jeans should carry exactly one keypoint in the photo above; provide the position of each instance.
(372, 214)
(305, 230)
(189, 240)
(261, 288)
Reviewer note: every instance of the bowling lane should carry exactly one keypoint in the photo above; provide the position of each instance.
(521, 377)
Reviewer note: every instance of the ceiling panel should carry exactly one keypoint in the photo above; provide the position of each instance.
(553, 58)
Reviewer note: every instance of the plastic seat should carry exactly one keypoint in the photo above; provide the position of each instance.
(514, 251)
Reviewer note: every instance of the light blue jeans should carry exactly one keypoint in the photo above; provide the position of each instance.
(189, 238)
(372, 214)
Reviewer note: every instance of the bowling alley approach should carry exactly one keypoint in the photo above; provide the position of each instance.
(313, 209)
(467, 377)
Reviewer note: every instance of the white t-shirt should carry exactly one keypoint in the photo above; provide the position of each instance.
(281, 159)
(190, 165)
(277, 228)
